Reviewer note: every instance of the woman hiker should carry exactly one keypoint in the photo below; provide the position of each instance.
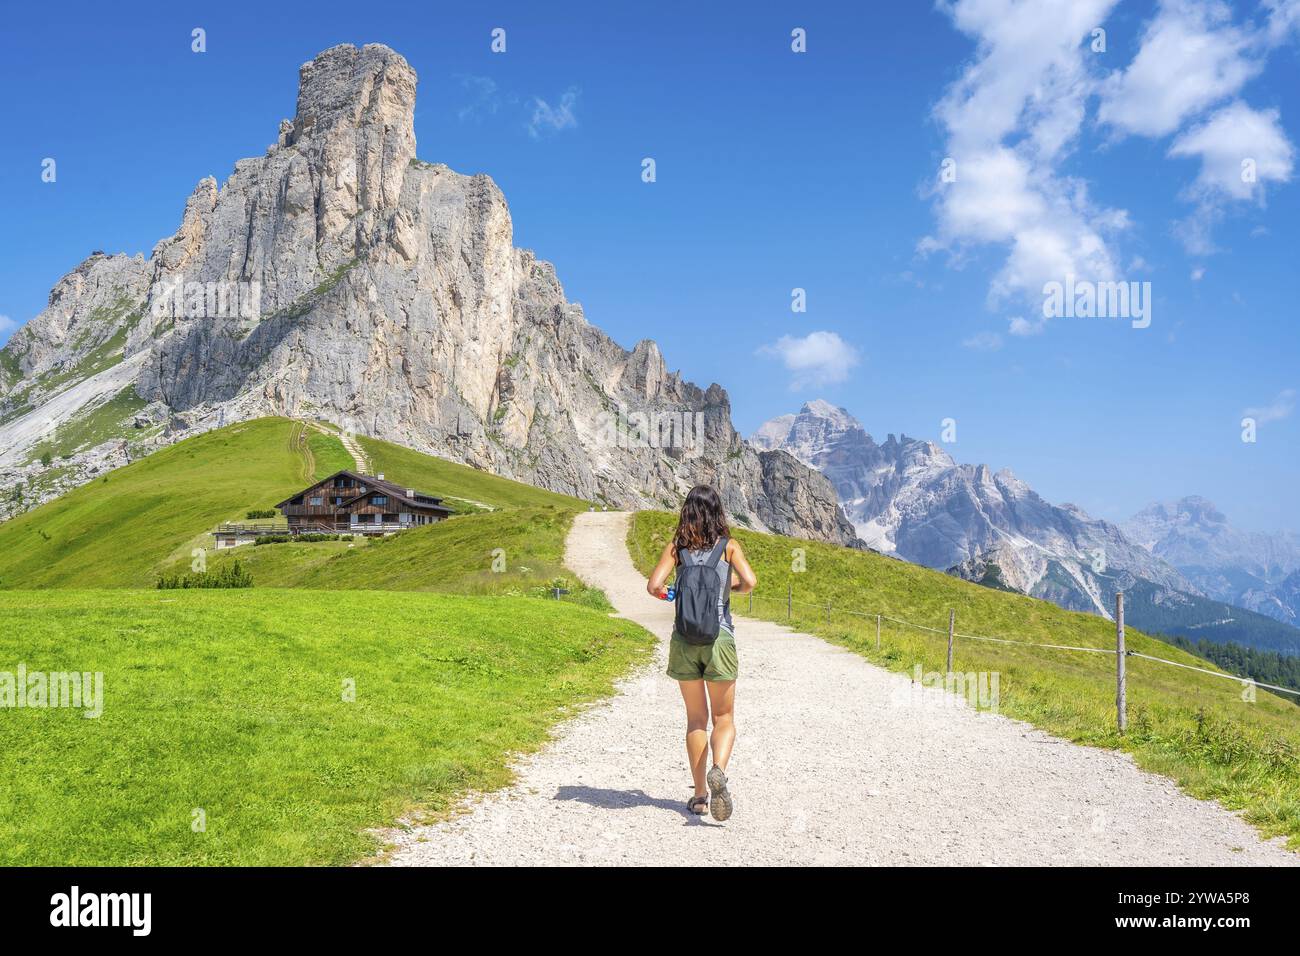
(702, 653)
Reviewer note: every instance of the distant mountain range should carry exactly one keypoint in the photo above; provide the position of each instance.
(908, 497)
(1253, 570)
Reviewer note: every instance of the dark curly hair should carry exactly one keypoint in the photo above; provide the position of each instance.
(702, 522)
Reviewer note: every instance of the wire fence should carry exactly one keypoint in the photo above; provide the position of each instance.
(1119, 652)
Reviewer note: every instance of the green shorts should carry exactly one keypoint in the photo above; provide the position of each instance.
(716, 661)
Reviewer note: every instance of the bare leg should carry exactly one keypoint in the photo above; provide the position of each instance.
(722, 701)
(697, 730)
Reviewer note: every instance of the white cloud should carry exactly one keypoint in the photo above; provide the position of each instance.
(1192, 56)
(1195, 231)
(1281, 407)
(7, 327)
(819, 358)
(552, 119)
(1020, 326)
(1010, 119)
(1198, 274)
(983, 342)
(1240, 149)
(484, 98)
(1283, 19)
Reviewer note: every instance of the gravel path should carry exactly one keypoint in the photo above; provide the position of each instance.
(836, 762)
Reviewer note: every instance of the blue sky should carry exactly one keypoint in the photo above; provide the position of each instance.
(779, 170)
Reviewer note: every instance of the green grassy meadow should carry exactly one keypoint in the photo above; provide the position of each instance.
(1192, 727)
(514, 551)
(117, 530)
(232, 702)
(124, 528)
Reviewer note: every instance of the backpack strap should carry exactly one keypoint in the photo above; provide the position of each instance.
(710, 560)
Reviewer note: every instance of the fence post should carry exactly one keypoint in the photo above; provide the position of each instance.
(789, 600)
(877, 632)
(751, 602)
(952, 622)
(1121, 678)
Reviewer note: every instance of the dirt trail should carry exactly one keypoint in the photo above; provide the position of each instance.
(837, 762)
(349, 443)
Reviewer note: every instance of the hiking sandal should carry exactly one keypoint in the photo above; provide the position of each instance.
(720, 805)
(698, 805)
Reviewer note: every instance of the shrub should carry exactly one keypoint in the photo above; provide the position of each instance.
(309, 536)
(233, 575)
(262, 513)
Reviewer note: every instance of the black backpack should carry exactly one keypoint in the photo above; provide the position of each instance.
(698, 595)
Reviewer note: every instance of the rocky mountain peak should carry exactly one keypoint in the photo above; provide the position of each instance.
(369, 90)
(354, 136)
(836, 416)
(386, 296)
(1246, 568)
(1199, 510)
(908, 496)
(646, 373)
(175, 252)
(818, 424)
(772, 433)
(924, 452)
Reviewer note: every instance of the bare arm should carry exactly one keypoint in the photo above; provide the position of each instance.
(743, 578)
(654, 587)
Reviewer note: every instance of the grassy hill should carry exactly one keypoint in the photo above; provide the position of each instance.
(1192, 727)
(122, 529)
(232, 703)
(460, 484)
(516, 551)
(115, 531)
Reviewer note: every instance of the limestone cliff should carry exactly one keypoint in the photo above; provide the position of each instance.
(339, 277)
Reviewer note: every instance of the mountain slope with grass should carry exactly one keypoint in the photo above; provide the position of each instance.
(514, 551)
(1217, 738)
(124, 528)
(302, 714)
